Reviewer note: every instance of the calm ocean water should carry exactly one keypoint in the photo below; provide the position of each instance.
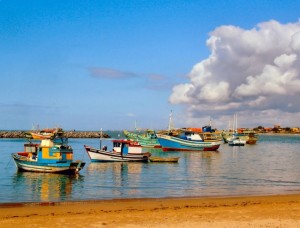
(272, 166)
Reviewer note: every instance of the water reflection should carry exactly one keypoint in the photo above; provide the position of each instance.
(115, 178)
(120, 172)
(44, 187)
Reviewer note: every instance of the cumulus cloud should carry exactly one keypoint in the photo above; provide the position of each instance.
(249, 71)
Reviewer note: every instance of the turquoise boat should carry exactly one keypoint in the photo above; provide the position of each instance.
(51, 155)
(147, 139)
(189, 141)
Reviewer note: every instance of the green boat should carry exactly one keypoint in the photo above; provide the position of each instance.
(146, 139)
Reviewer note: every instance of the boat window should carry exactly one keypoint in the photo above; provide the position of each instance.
(116, 144)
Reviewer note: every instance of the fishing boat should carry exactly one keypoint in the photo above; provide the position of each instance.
(51, 155)
(188, 141)
(235, 140)
(164, 159)
(250, 136)
(123, 150)
(146, 139)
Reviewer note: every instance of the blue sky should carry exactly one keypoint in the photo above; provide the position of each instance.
(93, 64)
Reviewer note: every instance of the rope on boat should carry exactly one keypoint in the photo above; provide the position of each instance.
(78, 166)
(8, 162)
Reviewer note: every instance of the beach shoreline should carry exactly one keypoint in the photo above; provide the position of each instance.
(237, 211)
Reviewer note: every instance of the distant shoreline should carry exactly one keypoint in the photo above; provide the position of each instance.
(96, 134)
(68, 134)
(280, 134)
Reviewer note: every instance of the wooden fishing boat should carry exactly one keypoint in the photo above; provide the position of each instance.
(123, 150)
(146, 139)
(250, 136)
(51, 155)
(235, 140)
(247, 135)
(188, 141)
(238, 136)
(164, 159)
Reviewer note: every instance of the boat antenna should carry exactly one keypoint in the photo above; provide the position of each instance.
(101, 135)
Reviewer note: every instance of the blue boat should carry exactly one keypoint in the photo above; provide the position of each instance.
(51, 155)
(189, 141)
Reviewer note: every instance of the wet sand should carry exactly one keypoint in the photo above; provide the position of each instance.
(242, 211)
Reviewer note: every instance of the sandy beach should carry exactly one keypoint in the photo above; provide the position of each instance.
(242, 211)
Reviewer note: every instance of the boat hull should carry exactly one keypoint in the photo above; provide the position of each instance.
(236, 144)
(233, 141)
(97, 155)
(170, 143)
(24, 164)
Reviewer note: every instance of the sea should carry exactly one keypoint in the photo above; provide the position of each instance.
(270, 167)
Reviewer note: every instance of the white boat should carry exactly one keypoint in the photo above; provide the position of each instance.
(123, 150)
(235, 140)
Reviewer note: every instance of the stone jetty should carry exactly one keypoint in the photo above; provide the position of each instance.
(68, 134)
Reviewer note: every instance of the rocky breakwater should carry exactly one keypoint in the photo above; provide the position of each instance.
(85, 134)
(68, 134)
(12, 134)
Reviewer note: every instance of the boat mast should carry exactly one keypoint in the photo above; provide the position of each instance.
(236, 123)
(101, 135)
(233, 124)
(171, 125)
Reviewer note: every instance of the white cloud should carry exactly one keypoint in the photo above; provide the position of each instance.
(108, 73)
(130, 115)
(180, 95)
(248, 71)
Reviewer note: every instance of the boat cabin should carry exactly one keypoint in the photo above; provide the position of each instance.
(190, 136)
(127, 146)
(48, 151)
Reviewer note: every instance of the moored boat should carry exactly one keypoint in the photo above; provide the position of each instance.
(147, 139)
(123, 150)
(188, 141)
(51, 155)
(164, 159)
(239, 134)
(250, 136)
(235, 140)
